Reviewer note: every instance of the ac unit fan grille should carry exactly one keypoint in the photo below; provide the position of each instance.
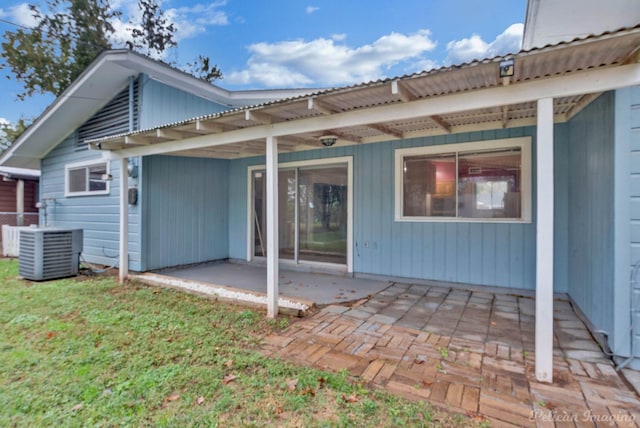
(49, 254)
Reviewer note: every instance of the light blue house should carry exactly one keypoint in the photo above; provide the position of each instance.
(520, 171)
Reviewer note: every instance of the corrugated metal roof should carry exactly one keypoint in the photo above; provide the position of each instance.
(593, 52)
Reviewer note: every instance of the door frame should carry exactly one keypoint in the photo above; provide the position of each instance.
(348, 160)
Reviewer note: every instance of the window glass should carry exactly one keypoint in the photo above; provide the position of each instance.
(478, 181)
(87, 179)
(489, 184)
(429, 185)
(77, 180)
(96, 182)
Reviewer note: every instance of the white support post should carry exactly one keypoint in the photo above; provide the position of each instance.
(273, 249)
(124, 220)
(544, 242)
(20, 202)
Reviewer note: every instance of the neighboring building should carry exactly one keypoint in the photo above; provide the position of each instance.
(549, 22)
(457, 174)
(18, 196)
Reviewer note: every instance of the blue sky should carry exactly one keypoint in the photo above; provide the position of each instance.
(304, 43)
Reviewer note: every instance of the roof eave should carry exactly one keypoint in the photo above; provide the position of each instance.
(122, 64)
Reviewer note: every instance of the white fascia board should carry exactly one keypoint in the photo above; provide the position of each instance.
(553, 87)
(109, 73)
(530, 24)
(72, 93)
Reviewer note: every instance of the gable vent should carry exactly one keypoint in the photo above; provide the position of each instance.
(111, 119)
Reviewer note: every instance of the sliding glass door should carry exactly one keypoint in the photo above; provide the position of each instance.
(313, 213)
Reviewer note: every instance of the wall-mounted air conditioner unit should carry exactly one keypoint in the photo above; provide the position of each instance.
(49, 253)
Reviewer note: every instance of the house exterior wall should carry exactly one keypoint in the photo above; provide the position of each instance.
(591, 213)
(627, 222)
(186, 207)
(496, 254)
(161, 104)
(99, 215)
(96, 215)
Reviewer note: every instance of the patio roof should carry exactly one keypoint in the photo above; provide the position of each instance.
(429, 103)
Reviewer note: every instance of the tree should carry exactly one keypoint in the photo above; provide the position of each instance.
(202, 69)
(69, 35)
(10, 132)
(154, 34)
(49, 56)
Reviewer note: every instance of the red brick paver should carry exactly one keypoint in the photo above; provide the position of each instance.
(468, 352)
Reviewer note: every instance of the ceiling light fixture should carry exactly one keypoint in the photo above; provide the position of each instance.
(328, 140)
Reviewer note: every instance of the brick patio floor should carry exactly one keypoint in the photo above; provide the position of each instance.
(466, 351)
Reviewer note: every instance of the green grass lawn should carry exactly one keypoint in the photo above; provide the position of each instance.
(90, 352)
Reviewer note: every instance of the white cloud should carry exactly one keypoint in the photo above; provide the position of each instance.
(338, 37)
(468, 49)
(194, 20)
(510, 41)
(19, 14)
(321, 62)
(311, 9)
(423, 64)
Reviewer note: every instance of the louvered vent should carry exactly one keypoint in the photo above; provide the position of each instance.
(112, 119)
(47, 253)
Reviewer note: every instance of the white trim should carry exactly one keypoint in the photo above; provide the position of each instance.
(577, 83)
(544, 243)
(105, 76)
(296, 213)
(525, 185)
(273, 246)
(86, 164)
(298, 164)
(123, 271)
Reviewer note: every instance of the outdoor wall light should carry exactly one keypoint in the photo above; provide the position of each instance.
(328, 140)
(507, 68)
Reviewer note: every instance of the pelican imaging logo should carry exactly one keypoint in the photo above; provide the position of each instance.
(599, 419)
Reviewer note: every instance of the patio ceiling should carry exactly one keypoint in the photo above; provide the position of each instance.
(601, 52)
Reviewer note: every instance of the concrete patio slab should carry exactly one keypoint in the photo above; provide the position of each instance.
(321, 288)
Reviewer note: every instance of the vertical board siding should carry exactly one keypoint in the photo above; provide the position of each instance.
(480, 253)
(163, 104)
(590, 211)
(186, 210)
(561, 207)
(627, 222)
(96, 215)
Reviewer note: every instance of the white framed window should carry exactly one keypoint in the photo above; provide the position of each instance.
(483, 181)
(86, 178)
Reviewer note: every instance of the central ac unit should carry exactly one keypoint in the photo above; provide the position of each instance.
(49, 253)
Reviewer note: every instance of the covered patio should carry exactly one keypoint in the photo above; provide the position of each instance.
(537, 88)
